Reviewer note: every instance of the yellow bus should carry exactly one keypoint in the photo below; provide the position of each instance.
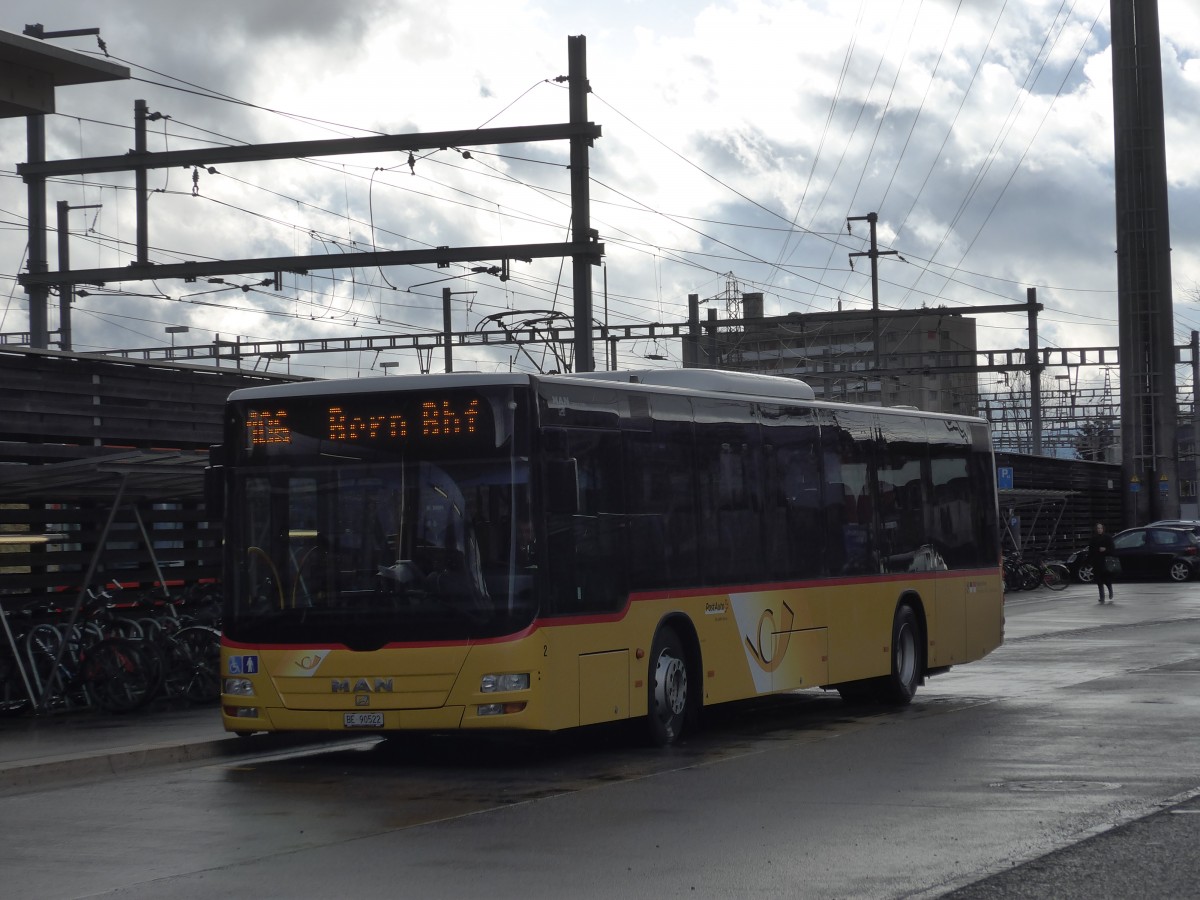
(511, 551)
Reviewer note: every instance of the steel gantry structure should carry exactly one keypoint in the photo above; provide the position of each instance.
(584, 247)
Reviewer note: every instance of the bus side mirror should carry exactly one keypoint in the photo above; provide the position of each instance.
(562, 486)
(214, 484)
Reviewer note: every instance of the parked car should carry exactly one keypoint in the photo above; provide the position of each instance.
(1192, 525)
(1148, 552)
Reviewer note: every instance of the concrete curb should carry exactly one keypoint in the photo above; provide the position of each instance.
(124, 760)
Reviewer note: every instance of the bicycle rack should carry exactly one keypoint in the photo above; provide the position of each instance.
(93, 564)
(1021, 535)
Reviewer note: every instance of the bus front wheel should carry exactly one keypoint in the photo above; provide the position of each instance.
(668, 688)
(902, 684)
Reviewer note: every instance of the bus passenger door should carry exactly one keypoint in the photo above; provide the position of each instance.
(954, 529)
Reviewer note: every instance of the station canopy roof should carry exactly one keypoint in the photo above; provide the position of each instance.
(148, 475)
(31, 69)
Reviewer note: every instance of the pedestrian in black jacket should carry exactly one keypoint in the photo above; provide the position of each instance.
(1100, 550)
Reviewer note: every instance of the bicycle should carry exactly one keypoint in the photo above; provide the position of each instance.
(1014, 578)
(15, 689)
(114, 662)
(74, 666)
(99, 662)
(1027, 575)
(1053, 575)
(193, 664)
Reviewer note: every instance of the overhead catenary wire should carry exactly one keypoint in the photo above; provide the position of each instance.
(648, 248)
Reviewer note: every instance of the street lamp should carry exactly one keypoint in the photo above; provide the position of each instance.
(173, 330)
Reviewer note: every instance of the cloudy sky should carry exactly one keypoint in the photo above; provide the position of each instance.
(738, 136)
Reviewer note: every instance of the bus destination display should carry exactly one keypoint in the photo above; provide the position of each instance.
(385, 421)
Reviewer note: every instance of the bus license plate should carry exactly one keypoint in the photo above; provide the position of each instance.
(364, 720)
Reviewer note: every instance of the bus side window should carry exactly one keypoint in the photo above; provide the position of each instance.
(902, 531)
(660, 496)
(983, 495)
(728, 491)
(961, 509)
(794, 530)
(587, 546)
(848, 463)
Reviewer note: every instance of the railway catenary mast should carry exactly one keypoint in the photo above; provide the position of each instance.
(1144, 305)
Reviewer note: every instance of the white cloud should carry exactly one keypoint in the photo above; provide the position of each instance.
(719, 126)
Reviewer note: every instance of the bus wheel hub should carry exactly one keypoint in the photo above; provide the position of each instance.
(670, 690)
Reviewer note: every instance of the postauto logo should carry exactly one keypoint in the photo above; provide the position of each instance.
(765, 622)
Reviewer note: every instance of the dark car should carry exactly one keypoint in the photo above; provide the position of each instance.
(1149, 552)
(1192, 525)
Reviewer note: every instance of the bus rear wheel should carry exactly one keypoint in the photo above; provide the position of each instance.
(668, 689)
(902, 683)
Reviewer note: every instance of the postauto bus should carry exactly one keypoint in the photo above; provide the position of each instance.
(510, 551)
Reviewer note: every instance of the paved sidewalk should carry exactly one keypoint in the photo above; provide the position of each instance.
(36, 749)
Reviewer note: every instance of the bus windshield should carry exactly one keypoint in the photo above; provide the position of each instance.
(376, 547)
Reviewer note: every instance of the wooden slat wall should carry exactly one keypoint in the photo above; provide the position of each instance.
(50, 398)
(1097, 498)
(56, 407)
(187, 546)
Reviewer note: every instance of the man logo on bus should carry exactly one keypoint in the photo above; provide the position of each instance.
(361, 686)
(771, 642)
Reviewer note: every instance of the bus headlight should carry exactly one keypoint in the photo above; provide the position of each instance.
(493, 684)
(238, 687)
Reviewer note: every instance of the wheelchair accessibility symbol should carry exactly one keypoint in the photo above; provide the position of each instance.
(243, 665)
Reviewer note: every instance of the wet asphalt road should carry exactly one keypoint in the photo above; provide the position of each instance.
(1064, 765)
(1152, 857)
